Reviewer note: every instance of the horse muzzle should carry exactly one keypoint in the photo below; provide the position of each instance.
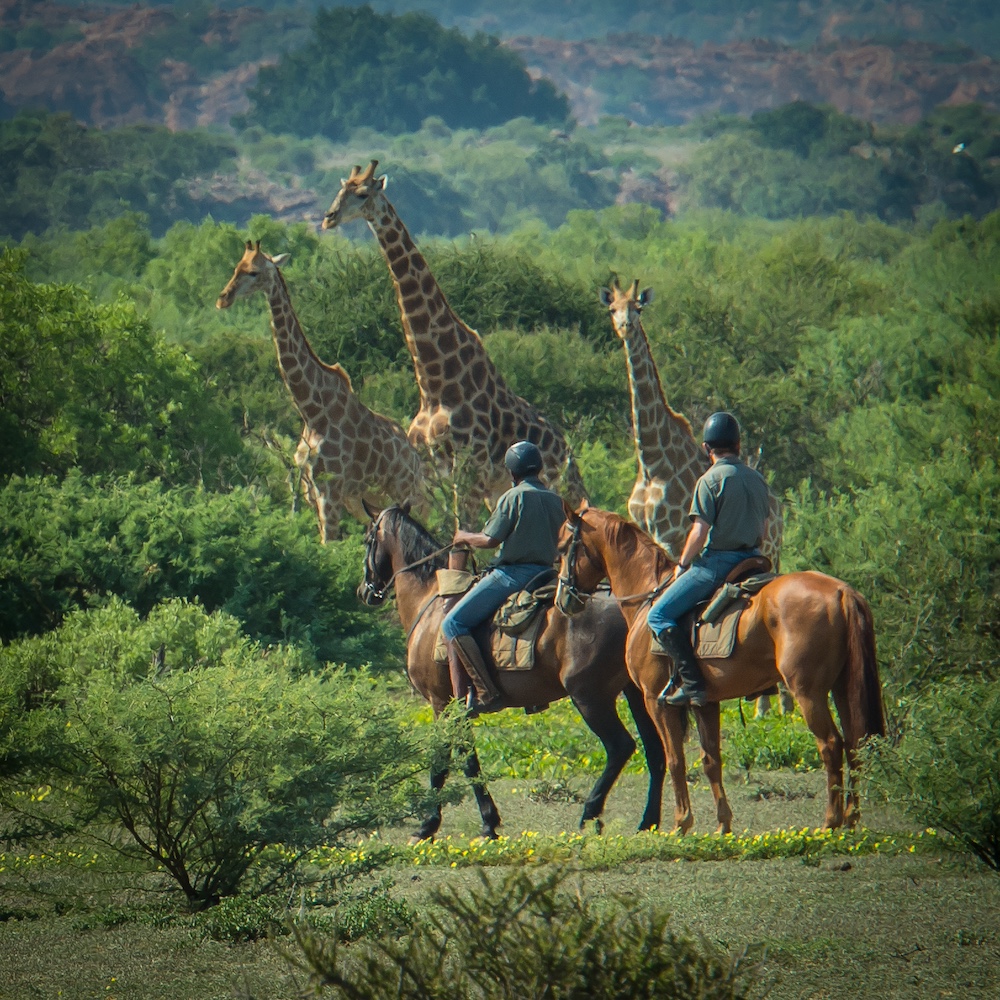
(369, 596)
(569, 600)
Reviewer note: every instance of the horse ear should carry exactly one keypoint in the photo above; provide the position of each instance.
(372, 512)
(570, 513)
(406, 505)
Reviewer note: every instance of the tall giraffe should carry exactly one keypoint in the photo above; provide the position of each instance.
(669, 456)
(346, 450)
(468, 416)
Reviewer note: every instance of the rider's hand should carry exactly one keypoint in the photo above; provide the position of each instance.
(679, 570)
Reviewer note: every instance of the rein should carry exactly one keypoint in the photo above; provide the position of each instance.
(568, 583)
(383, 592)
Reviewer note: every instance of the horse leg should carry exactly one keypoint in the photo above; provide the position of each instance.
(432, 823)
(852, 737)
(487, 807)
(603, 721)
(816, 712)
(709, 733)
(656, 760)
(670, 724)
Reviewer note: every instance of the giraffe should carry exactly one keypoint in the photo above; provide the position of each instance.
(670, 460)
(669, 457)
(345, 450)
(468, 416)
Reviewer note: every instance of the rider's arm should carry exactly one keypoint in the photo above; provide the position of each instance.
(475, 539)
(693, 544)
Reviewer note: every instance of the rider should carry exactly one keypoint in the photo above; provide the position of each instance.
(525, 524)
(729, 512)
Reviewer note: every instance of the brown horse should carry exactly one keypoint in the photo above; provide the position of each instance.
(582, 658)
(810, 630)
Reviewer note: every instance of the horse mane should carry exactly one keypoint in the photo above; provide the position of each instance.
(415, 542)
(631, 541)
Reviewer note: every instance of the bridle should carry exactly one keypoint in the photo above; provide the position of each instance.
(380, 593)
(570, 599)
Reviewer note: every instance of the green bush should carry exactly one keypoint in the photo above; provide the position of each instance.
(75, 543)
(180, 742)
(93, 387)
(942, 771)
(524, 935)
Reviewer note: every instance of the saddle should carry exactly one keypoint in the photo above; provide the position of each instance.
(713, 624)
(507, 642)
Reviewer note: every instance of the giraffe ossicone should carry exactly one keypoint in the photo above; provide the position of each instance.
(346, 451)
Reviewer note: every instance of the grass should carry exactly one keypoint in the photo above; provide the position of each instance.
(862, 916)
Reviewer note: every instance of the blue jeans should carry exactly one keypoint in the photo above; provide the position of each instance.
(487, 595)
(693, 585)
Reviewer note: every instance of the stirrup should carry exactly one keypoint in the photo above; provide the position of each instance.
(681, 698)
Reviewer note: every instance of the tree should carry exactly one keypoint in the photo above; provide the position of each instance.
(190, 747)
(390, 73)
(92, 387)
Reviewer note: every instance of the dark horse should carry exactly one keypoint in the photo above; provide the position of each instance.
(810, 630)
(581, 657)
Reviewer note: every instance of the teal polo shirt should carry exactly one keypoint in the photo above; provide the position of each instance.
(735, 501)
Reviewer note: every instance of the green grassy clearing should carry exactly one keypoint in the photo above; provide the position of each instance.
(885, 923)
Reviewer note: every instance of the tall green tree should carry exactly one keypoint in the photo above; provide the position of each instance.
(390, 73)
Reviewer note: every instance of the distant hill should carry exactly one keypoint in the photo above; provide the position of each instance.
(110, 64)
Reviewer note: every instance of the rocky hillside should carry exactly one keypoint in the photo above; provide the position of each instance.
(680, 81)
(105, 72)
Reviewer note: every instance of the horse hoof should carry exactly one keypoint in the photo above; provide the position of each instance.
(419, 838)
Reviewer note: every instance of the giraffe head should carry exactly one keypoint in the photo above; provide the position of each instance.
(625, 307)
(355, 197)
(256, 272)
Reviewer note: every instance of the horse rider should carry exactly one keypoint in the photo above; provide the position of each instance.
(525, 524)
(729, 513)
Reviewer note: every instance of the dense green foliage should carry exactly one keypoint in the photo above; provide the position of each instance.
(543, 940)
(803, 160)
(56, 173)
(943, 772)
(79, 541)
(390, 73)
(205, 746)
(91, 387)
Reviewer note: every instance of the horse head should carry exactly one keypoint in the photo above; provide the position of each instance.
(377, 582)
(579, 571)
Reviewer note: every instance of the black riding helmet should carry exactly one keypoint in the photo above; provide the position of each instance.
(721, 431)
(522, 459)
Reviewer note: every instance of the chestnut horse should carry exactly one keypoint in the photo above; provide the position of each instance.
(810, 630)
(582, 658)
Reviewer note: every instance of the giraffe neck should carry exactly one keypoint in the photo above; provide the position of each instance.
(434, 335)
(312, 384)
(663, 438)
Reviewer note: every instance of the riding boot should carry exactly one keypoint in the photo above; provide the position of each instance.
(485, 696)
(692, 689)
(460, 685)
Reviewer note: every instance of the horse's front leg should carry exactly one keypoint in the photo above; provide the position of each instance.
(432, 822)
(487, 807)
(710, 736)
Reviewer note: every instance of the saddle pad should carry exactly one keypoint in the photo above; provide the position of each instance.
(511, 651)
(717, 640)
(516, 651)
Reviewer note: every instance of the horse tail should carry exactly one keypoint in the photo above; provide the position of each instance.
(864, 689)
